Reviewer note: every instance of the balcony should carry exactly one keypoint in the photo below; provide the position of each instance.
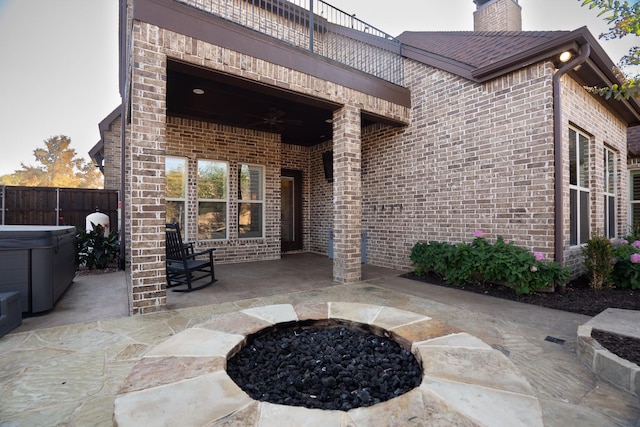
(317, 27)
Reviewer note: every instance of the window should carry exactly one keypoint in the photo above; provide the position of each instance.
(175, 169)
(212, 200)
(578, 187)
(609, 193)
(635, 201)
(250, 201)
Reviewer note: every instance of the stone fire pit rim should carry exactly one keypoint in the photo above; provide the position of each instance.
(465, 380)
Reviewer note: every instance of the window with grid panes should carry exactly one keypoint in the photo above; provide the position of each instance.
(212, 200)
(250, 201)
(578, 187)
(635, 201)
(175, 170)
(609, 193)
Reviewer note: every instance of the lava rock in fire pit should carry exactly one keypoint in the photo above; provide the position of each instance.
(324, 367)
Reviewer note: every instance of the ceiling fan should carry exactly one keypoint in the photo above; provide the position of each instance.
(274, 119)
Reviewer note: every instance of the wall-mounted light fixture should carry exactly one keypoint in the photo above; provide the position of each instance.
(565, 56)
(198, 91)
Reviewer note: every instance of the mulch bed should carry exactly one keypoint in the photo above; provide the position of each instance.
(576, 297)
(624, 347)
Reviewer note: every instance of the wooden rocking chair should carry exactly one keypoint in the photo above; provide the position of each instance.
(182, 266)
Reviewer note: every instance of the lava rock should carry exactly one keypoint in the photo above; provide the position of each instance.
(324, 367)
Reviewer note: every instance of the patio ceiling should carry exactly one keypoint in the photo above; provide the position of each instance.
(236, 101)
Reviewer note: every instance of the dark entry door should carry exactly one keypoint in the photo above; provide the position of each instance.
(291, 210)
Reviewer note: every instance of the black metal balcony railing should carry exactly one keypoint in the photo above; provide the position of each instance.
(318, 27)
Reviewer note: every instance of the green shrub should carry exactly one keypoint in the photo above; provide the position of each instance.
(94, 249)
(420, 259)
(432, 257)
(597, 261)
(626, 264)
(481, 262)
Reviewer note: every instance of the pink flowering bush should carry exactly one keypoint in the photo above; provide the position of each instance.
(625, 264)
(612, 262)
(485, 263)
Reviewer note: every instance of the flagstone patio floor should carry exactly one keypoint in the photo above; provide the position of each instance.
(77, 364)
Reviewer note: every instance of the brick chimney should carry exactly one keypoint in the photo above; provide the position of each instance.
(497, 15)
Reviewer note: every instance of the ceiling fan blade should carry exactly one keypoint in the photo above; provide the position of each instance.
(275, 113)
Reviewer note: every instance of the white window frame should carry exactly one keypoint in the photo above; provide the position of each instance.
(183, 200)
(248, 201)
(207, 200)
(632, 202)
(610, 186)
(576, 213)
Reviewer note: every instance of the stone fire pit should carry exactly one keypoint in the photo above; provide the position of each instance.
(465, 382)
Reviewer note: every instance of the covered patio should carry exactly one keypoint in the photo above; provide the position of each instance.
(208, 98)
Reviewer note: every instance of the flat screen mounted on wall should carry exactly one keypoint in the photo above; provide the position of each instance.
(327, 161)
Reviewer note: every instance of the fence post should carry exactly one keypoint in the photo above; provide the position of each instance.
(4, 197)
(57, 206)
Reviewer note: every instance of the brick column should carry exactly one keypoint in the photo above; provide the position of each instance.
(146, 182)
(347, 195)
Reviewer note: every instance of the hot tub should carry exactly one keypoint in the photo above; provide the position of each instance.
(37, 261)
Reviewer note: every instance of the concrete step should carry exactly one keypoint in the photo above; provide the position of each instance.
(618, 371)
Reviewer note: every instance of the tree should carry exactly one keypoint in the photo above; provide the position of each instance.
(624, 20)
(89, 174)
(58, 166)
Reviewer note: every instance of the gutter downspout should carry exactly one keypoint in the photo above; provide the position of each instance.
(585, 51)
(123, 21)
(122, 225)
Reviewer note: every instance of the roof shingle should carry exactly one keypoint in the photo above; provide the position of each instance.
(478, 49)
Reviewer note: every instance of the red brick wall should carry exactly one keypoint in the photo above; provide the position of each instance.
(583, 112)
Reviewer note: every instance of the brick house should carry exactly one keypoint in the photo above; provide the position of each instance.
(262, 137)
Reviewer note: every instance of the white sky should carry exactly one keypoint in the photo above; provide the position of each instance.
(59, 58)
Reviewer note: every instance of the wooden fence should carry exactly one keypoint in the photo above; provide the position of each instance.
(56, 206)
